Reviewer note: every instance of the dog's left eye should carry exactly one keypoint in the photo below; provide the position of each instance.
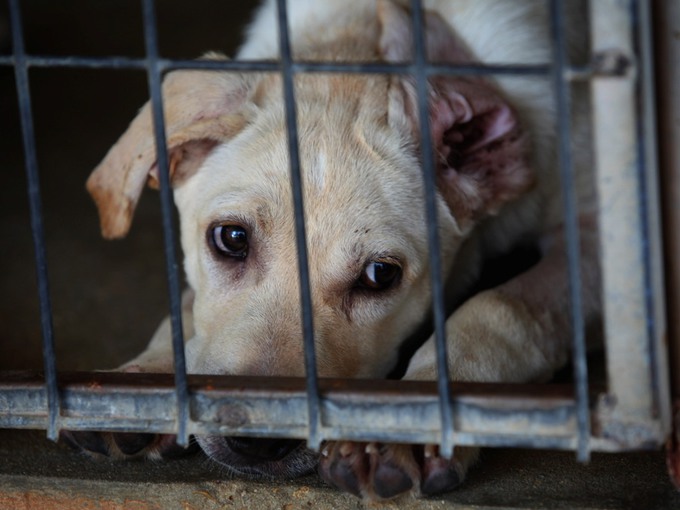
(230, 240)
(379, 275)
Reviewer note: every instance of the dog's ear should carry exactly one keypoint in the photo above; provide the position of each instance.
(201, 109)
(481, 149)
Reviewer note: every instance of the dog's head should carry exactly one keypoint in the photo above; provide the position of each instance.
(363, 202)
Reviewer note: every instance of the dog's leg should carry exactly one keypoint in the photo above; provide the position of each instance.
(156, 358)
(517, 332)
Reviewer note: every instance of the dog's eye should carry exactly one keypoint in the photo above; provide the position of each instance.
(230, 240)
(379, 275)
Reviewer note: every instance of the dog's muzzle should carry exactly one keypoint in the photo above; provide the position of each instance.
(260, 457)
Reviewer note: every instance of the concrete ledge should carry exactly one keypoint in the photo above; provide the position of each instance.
(37, 474)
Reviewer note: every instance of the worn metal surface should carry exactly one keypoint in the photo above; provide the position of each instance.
(562, 94)
(638, 401)
(396, 411)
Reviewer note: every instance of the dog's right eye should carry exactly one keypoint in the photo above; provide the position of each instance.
(230, 240)
(379, 275)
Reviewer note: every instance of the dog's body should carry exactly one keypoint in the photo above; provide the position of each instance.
(498, 188)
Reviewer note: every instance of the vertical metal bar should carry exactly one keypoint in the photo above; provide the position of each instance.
(35, 204)
(155, 91)
(429, 169)
(562, 96)
(627, 231)
(648, 191)
(313, 408)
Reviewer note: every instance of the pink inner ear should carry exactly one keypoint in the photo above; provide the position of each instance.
(480, 144)
(483, 151)
(495, 125)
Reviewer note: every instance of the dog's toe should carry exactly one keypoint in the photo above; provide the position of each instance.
(126, 445)
(393, 470)
(345, 466)
(439, 474)
(378, 472)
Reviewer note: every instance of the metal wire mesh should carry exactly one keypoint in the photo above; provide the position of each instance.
(559, 420)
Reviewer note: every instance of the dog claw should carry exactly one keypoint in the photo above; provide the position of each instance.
(377, 471)
(344, 467)
(389, 481)
(440, 475)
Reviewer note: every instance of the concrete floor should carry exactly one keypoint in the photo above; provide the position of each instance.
(108, 297)
(35, 470)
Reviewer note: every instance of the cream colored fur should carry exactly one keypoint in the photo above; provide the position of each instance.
(363, 199)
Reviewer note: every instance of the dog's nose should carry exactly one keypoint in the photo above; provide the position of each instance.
(262, 448)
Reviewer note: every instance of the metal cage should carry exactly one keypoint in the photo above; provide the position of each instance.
(632, 411)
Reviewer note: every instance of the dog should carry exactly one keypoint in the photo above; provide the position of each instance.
(361, 162)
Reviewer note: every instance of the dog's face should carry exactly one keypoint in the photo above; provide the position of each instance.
(363, 204)
(366, 232)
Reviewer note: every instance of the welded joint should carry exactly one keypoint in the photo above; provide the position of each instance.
(613, 62)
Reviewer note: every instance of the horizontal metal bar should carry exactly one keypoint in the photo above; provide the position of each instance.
(113, 62)
(376, 410)
(605, 64)
(116, 62)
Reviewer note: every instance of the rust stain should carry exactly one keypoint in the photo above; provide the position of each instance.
(38, 500)
(207, 495)
(301, 492)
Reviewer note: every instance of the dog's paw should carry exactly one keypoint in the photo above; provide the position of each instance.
(377, 472)
(121, 445)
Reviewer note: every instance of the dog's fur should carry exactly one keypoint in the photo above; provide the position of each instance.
(360, 157)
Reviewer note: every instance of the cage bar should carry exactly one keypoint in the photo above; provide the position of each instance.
(638, 400)
(296, 66)
(37, 225)
(633, 412)
(446, 443)
(562, 97)
(313, 406)
(174, 290)
(377, 410)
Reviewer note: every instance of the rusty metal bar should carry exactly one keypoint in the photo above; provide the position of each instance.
(382, 410)
(637, 403)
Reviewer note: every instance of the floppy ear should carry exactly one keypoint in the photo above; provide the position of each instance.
(201, 110)
(482, 151)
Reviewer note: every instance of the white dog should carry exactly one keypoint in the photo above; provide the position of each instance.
(365, 217)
